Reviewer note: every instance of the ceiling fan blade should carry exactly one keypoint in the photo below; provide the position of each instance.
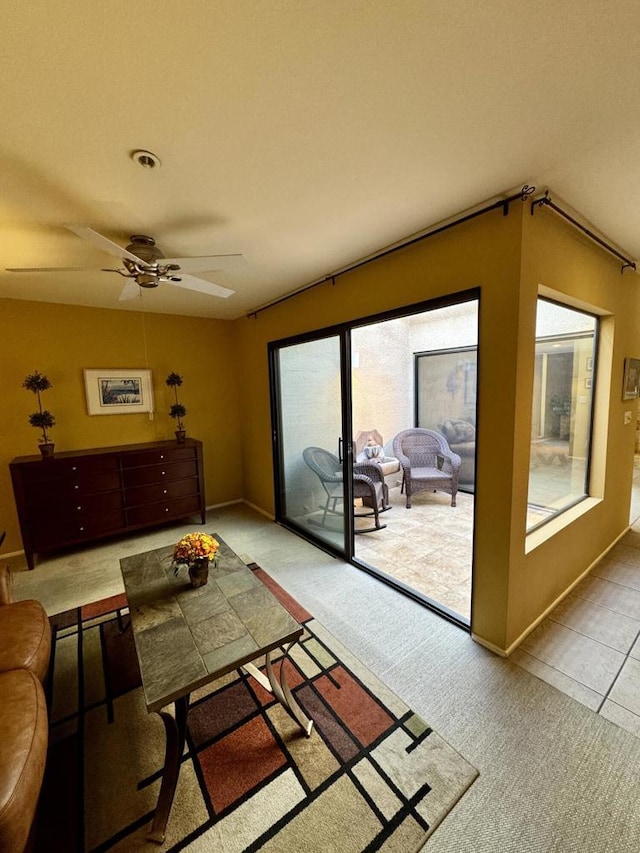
(131, 290)
(49, 269)
(205, 263)
(101, 242)
(190, 282)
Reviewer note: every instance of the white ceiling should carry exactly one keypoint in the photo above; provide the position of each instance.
(305, 135)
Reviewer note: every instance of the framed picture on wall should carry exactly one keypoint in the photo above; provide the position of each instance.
(118, 392)
(631, 384)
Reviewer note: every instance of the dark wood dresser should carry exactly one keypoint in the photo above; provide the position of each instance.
(79, 496)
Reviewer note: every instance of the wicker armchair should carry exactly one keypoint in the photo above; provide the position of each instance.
(427, 463)
(368, 484)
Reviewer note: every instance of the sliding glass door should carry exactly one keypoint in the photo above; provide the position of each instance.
(339, 398)
(310, 451)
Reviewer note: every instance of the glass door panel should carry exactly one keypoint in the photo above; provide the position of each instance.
(419, 370)
(309, 448)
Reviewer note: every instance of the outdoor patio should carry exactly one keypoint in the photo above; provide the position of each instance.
(428, 547)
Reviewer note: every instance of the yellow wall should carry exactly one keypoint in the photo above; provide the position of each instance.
(556, 256)
(61, 340)
(484, 252)
(507, 258)
(226, 389)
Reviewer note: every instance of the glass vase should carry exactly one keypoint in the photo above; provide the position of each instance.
(199, 572)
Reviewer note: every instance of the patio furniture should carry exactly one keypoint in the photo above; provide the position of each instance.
(368, 484)
(461, 438)
(428, 463)
(369, 447)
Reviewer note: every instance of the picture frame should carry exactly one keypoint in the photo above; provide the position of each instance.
(118, 391)
(631, 384)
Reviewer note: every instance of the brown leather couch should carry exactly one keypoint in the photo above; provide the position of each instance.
(25, 646)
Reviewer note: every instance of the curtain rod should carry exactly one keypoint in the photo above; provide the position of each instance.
(546, 200)
(504, 203)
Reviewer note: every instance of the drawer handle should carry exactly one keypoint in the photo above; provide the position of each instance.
(74, 468)
(163, 473)
(78, 507)
(81, 529)
(166, 509)
(76, 486)
(162, 456)
(164, 491)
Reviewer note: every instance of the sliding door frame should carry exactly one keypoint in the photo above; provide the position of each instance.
(274, 347)
(343, 331)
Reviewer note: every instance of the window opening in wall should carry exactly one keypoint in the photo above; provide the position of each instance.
(562, 412)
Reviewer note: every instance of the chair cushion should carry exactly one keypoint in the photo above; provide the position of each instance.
(429, 474)
(389, 465)
(457, 432)
(23, 752)
(25, 637)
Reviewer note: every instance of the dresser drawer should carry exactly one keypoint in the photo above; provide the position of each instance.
(155, 492)
(103, 502)
(56, 469)
(49, 492)
(48, 532)
(159, 473)
(157, 457)
(161, 511)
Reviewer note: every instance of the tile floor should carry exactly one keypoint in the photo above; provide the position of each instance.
(589, 646)
(428, 547)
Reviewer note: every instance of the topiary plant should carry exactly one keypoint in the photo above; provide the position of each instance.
(42, 419)
(177, 410)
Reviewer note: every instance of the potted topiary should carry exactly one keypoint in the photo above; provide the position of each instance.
(177, 410)
(42, 419)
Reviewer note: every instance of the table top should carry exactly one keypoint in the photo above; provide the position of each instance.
(188, 636)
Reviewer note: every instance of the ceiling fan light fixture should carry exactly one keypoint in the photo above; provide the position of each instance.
(145, 159)
(147, 280)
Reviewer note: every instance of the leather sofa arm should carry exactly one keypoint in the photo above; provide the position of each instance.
(6, 585)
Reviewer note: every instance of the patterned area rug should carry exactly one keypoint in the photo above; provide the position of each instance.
(373, 775)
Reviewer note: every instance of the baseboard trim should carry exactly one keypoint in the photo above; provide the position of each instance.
(224, 503)
(504, 653)
(11, 554)
(259, 509)
(243, 501)
(487, 645)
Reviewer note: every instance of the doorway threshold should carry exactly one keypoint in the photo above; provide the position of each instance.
(436, 606)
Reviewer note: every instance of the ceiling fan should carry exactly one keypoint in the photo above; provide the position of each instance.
(144, 265)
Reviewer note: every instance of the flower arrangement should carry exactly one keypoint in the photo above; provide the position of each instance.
(42, 419)
(192, 547)
(177, 410)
